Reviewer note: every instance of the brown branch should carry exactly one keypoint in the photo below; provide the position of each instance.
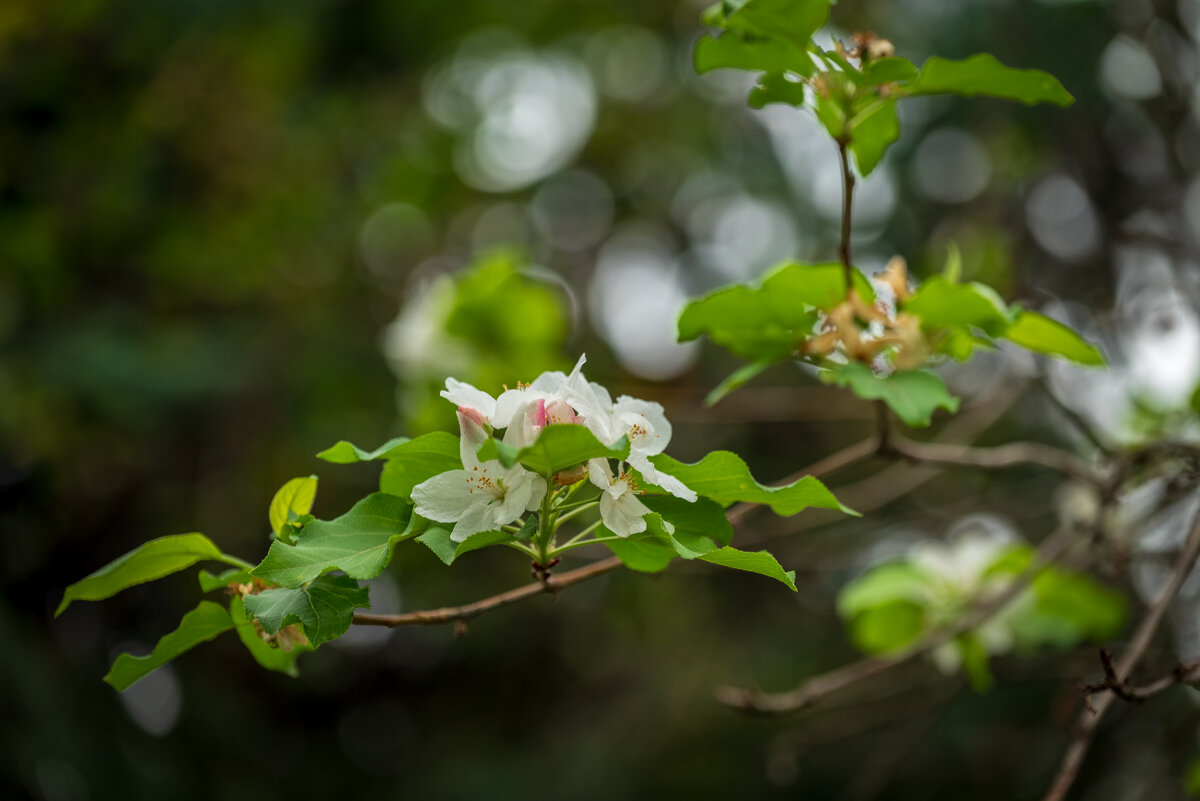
(461, 614)
(847, 209)
(818, 687)
(1089, 719)
(1181, 674)
(1014, 453)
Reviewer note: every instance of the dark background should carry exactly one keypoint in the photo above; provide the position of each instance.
(191, 305)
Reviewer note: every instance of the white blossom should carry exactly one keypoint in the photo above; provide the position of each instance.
(623, 514)
(483, 496)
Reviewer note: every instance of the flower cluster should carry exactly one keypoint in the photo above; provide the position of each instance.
(485, 496)
(862, 331)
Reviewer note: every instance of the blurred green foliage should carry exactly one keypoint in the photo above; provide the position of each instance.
(186, 317)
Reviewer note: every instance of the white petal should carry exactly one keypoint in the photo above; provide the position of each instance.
(517, 490)
(537, 493)
(473, 436)
(461, 393)
(521, 430)
(623, 516)
(476, 518)
(444, 497)
(652, 475)
(653, 413)
(600, 473)
(507, 405)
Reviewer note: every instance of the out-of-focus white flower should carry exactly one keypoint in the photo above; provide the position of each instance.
(623, 514)
(483, 496)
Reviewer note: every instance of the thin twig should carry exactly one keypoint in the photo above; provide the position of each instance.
(847, 208)
(1181, 674)
(1009, 455)
(818, 687)
(1089, 719)
(456, 614)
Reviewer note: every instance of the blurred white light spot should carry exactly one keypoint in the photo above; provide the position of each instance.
(634, 297)
(573, 211)
(521, 115)
(627, 61)
(741, 235)
(1128, 70)
(950, 166)
(874, 196)
(155, 701)
(393, 239)
(1061, 219)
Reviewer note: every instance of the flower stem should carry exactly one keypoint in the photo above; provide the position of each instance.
(583, 507)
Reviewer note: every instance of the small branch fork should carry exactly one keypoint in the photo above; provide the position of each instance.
(1118, 673)
(818, 687)
(1180, 674)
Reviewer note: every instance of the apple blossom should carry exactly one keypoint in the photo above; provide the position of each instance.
(483, 496)
(623, 514)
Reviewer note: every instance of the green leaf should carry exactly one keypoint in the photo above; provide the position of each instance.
(264, 654)
(149, 561)
(776, 87)
(769, 322)
(409, 463)
(1095, 612)
(556, 448)
(760, 562)
(982, 74)
(912, 394)
(766, 35)
(645, 553)
(872, 132)
(437, 539)
(210, 582)
(747, 52)
(347, 453)
(295, 498)
(201, 624)
(697, 528)
(888, 70)
(887, 627)
(324, 607)
(940, 302)
(1039, 333)
(724, 477)
(359, 543)
(736, 380)
(886, 583)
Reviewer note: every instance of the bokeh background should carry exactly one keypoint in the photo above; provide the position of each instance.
(232, 233)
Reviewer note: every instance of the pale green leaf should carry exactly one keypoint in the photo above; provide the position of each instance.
(359, 543)
(736, 380)
(724, 477)
(210, 582)
(295, 498)
(409, 463)
(913, 395)
(556, 448)
(269, 657)
(982, 74)
(941, 302)
(149, 561)
(347, 452)
(760, 562)
(872, 131)
(1039, 333)
(324, 607)
(201, 624)
(437, 539)
(893, 581)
